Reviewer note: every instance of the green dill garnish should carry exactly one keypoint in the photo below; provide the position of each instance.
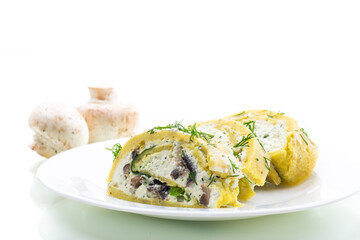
(192, 175)
(278, 113)
(267, 163)
(257, 159)
(182, 154)
(248, 179)
(304, 139)
(239, 114)
(189, 130)
(233, 175)
(251, 126)
(211, 144)
(176, 125)
(195, 133)
(235, 154)
(245, 140)
(199, 147)
(115, 149)
(304, 132)
(211, 178)
(233, 166)
(261, 145)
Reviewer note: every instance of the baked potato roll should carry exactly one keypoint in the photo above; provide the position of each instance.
(241, 141)
(290, 149)
(175, 166)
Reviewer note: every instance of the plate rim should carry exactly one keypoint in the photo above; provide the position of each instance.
(173, 212)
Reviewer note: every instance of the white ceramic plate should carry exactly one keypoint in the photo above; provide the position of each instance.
(80, 174)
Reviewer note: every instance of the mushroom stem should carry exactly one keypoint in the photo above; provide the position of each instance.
(98, 94)
(106, 118)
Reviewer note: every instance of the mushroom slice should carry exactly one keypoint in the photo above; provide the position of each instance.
(175, 171)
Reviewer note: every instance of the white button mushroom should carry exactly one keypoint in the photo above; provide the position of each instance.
(57, 128)
(107, 119)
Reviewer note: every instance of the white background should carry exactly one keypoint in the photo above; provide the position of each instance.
(190, 60)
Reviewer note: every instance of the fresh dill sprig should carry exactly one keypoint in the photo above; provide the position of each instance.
(304, 132)
(248, 179)
(233, 175)
(192, 175)
(278, 113)
(301, 135)
(211, 144)
(267, 160)
(245, 140)
(115, 149)
(251, 126)
(176, 125)
(235, 154)
(239, 114)
(233, 166)
(262, 146)
(304, 139)
(211, 178)
(195, 133)
(189, 130)
(211, 175)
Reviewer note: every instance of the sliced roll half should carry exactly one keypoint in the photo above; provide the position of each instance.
(291, 151)
(175, 167)
(240, 140)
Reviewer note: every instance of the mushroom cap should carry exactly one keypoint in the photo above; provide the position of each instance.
(109, 121)
(57, 127)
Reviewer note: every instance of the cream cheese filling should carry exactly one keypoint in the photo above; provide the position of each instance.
(162, 164)
(271, 135)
